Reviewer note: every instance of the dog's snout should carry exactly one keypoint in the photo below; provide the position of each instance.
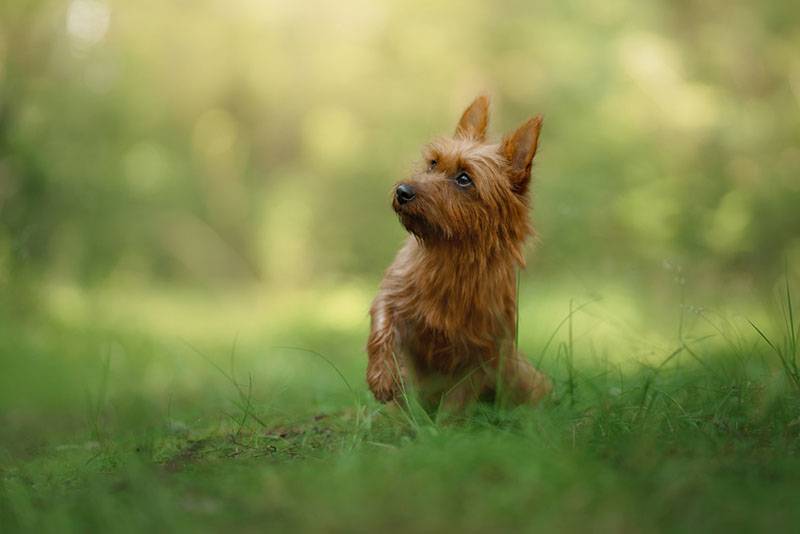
(404, 193)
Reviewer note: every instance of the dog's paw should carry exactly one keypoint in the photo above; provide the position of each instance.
(384, 380)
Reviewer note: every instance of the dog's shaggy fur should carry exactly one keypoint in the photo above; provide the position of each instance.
(445, 314)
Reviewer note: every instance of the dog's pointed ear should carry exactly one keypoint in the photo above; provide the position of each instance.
(474, 121)
(519, 148)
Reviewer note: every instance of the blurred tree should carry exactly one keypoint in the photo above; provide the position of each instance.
(229, 143)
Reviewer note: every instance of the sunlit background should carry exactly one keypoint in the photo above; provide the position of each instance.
(182, 177)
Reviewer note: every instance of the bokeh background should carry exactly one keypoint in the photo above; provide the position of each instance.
(179, 174)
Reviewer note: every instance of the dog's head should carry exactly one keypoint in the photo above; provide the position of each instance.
(468, 191)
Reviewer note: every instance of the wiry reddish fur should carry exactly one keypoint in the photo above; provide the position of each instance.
(446, 310)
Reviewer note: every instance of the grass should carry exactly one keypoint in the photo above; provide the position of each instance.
(105, 428)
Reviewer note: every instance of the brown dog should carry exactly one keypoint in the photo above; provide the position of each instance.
(446, 309)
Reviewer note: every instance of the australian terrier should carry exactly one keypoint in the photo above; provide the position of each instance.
(445, 316)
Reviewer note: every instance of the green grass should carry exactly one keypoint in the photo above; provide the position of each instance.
(112, 428)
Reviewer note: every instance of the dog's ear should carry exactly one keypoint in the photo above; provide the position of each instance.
(474, 121)
(519, 148)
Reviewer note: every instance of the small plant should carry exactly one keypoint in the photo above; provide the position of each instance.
(96, 404)
(245, 401)
(786, 348)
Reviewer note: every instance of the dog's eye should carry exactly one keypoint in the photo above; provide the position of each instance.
(463, 180)
(432, 164)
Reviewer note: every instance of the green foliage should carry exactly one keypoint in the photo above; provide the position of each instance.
(202, 147)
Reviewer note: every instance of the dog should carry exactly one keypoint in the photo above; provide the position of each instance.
(444, 320)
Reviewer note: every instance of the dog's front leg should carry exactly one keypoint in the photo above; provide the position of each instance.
(385, 369)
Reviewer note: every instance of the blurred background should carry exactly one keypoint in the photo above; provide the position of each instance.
(212, 173)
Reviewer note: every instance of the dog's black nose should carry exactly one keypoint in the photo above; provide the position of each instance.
(404, 193)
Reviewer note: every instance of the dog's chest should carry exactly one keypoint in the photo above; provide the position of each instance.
(445, 331)
(468, 302)
(436, 350)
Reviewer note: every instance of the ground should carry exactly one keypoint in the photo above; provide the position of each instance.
(114, 419)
